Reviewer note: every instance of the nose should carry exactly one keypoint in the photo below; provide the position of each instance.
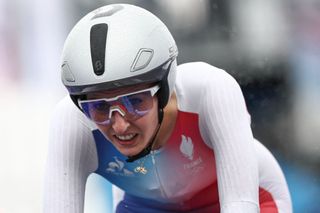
(119, 123)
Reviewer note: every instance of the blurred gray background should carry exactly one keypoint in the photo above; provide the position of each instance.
(271, 47)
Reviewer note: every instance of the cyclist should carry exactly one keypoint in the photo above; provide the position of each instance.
(172, 138)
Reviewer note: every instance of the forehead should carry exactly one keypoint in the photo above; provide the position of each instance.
(117, 92)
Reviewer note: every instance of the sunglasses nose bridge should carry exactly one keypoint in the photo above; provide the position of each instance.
(116, 108)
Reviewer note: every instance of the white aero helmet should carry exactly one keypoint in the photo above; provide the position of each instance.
(116, 46)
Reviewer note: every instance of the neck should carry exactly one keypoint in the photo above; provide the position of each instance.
(168, 123)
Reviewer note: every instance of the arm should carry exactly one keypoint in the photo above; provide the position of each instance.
(272, 180)
(225, 121)
(71, 158)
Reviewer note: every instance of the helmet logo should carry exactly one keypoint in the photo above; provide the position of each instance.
(173, 52)
(98, 66)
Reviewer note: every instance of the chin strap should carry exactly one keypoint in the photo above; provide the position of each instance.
(148, 148)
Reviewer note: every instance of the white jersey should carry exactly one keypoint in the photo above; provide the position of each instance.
(211, 161)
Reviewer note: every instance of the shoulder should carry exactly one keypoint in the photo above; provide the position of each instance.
(65, 104)
(198, 80)
(202, 72)
(72, 154)
(201, 77)
(70, 136)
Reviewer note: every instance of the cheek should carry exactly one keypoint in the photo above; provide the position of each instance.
(154, 113)
(149, 122)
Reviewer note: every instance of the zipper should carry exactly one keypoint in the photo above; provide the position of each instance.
(157, 175)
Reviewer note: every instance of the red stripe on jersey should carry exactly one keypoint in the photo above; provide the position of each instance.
(266, 201)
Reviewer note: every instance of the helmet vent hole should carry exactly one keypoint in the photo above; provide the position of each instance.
(66, 73)
(98, 37)
(106, 11)
(142, 59)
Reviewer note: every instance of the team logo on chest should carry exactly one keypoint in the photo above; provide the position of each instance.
(186, 147)
(117, 167)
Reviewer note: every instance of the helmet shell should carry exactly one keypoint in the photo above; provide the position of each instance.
(115, 46)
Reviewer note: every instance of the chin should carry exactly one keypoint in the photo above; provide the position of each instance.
(129, 151)
(129, 148)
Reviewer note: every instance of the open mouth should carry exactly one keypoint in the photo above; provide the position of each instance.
(127, 137)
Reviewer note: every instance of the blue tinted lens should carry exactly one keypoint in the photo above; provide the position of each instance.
(134, 107)
(100, 106)
(127, 104)
(98, 111)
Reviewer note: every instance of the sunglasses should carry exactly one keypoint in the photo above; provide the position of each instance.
(131, 106)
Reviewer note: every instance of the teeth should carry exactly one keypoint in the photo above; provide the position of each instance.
(125, 137)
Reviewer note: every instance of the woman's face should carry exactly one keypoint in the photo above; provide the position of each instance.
(129, 137)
